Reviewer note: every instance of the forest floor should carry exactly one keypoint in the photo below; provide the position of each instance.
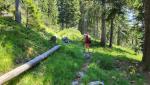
(113, 66)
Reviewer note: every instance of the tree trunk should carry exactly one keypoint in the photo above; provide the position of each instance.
(17, 12)
(97, 27)
(103, 34)
(146, 55)
(111, 33)
(81, 21)
(118, 36)
(85, 25)
(42, 6)
(80, 26)
(62, 24)
(48, 12)
(27, 19)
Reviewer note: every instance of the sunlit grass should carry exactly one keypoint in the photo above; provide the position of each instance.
(6, 58)
(118, 51)
(19, 45)
(103, 67)
(59, 69)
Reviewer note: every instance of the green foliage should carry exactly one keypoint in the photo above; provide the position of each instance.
(18, 44)
(5, 5)
(69, 12)
(71, 33)
(104, 63)
(34, 13)
(134, 3)
(58, 69)
(49, 11)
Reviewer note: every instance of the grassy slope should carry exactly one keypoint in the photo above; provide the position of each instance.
(18, 45)
(114, 66)
(58, 69)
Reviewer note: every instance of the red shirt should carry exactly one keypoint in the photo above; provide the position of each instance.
(87, 39)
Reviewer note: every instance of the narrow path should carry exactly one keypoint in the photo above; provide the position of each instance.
(80, 74)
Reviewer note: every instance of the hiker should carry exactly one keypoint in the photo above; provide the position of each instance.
(87, 41)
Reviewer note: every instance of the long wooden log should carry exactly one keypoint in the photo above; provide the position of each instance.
(17, 71)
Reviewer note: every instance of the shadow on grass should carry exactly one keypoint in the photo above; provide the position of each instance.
(107, 61)
(114, 70)
(59, 69)
(96, 44)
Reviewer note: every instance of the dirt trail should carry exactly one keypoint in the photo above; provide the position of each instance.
(80, 74)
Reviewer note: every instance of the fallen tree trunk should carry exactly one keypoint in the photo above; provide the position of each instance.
(17, 71)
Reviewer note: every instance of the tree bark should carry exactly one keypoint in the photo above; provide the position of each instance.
(17, 12)
(146, 53)
(119, 36)
(27, 19)
(111, 32)
(80, 26)
(103, 33)
(62, 25)
(48, 12)
(85, 27)
(97, 27)
(81, 21)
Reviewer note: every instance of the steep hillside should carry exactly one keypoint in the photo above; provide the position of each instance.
(18, 45)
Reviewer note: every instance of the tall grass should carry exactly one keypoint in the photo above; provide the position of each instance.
(104, 67)
(19, 45)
